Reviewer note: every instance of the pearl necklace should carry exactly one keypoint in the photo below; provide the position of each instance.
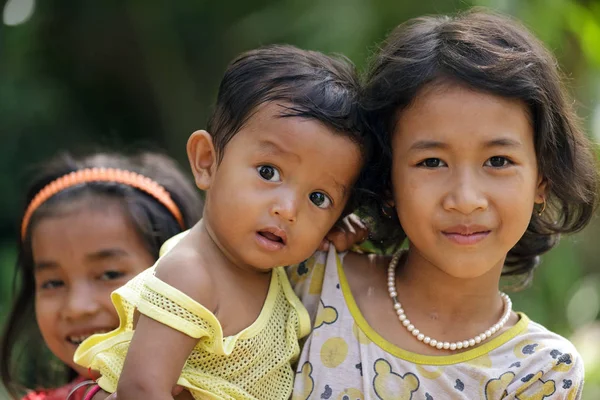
(433, 342)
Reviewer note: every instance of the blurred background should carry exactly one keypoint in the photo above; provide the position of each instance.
(133, 73)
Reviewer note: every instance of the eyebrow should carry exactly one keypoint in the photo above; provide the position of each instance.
(269, 146)
(100, 255)
(502, 142)
(44, 265)
(106, 254)
(434, 144)
(428, 145)
(341, 187)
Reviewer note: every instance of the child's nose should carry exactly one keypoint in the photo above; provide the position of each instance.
(81, 302)
(286, 207)
(466, 194)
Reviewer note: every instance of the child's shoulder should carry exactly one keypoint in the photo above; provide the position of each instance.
(541, 361)
(537, 339)
(182, 267)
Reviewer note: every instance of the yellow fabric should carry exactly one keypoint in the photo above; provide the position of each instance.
(254, 364)
(345, 358)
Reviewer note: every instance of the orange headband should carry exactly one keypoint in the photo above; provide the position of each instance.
(133, 179)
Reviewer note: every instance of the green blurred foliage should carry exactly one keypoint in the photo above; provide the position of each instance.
(80, 74)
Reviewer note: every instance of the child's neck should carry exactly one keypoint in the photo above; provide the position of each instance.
(446, 303)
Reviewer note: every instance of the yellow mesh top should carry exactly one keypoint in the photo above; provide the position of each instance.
(254, 364)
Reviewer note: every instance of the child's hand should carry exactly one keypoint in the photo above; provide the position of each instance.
(344, 235)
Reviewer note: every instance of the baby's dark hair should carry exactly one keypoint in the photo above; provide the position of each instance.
(308, 84)
(493, 54)
(22, 348)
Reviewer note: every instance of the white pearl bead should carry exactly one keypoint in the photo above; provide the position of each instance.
(432, 342)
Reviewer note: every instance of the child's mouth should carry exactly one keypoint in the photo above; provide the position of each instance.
(78, 339)
(271, 239)
(271, 236)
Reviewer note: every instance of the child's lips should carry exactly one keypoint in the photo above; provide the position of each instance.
(271, 238)
(77, 338)
(466, 234)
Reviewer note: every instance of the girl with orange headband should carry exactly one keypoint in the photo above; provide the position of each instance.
(90, 225)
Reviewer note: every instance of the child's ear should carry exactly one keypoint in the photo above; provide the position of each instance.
(203, 158)
(540, 191)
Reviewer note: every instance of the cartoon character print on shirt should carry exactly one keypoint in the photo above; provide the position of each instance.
(495, 388)
(389, 385)
(308, 269)
(334, 352)
(307, 385)
(527, 348)
(326, 315)
(429, 372)
(534, 388)
(564, 361)
(298, 273)
(351, 394)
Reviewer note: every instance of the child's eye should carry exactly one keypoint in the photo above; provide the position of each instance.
(432, 163)
(51, 284)
(319, 199)
(497, 162)
(111, 275)
(269, 173)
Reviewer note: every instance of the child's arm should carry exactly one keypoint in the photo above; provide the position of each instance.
(156, 356)
(157, 352)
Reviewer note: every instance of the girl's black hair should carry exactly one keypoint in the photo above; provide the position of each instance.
(490, 53)
(24, 357)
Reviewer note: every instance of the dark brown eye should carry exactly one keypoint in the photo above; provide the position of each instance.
(498, 162)
(269, 173)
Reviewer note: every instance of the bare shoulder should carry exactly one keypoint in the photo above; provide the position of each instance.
(184, 269)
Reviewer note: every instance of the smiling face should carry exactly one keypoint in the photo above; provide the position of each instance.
(281, 185)
(465, 178)
(81, 256)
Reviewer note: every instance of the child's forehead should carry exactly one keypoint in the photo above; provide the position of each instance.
(452, 111)
(273, 124)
